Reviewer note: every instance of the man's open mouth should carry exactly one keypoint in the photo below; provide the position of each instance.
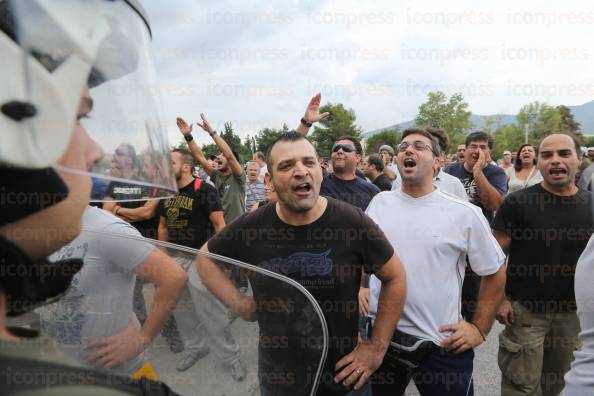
(409, 163)
(302, 188)
(557, 171)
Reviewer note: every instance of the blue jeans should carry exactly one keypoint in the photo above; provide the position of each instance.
(441, 373)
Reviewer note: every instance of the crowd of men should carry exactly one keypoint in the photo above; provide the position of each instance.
(438, 222)
(410, 257)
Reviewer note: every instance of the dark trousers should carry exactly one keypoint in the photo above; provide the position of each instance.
(441, 373)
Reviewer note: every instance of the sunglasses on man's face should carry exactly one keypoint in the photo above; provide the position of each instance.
(347, 148)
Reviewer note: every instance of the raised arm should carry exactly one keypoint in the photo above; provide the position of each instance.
(234, 164)
(186, 129)
(312, 114)
(490, 197)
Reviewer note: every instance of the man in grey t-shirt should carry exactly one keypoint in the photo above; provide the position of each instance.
(229, 178)
(94, 322)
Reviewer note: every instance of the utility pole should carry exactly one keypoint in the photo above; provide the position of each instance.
(526, 129)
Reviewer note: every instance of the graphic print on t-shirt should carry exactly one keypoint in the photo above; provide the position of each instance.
(471, 190)
(64, 320)
(173, 205)
(301, 265)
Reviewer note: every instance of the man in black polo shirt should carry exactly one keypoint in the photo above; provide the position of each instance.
(188, 219)
(373, 167)
(545, 228)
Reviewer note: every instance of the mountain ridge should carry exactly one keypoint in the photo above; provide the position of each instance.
(584, 114)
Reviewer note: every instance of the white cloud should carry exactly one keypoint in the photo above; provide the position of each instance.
(256, 64)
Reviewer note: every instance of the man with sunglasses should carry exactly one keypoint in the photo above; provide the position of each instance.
(433, 233)
(344, 184)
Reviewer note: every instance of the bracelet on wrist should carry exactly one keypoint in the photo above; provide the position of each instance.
(479, 330)
(212, 133)
(306, 123)
(189, 137)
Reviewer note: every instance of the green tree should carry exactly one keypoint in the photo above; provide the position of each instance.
(588, 141)
(267, 136)
(451, 114)
(507, 137)
(182, 144)
(234, 141)
(211, 149)
(391, 137)
(541, 119)
(568, 123)
(340, 122)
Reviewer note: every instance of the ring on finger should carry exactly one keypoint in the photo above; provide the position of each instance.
(358, 371)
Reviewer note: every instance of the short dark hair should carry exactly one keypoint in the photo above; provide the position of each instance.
(187, 158)
(478, 136)
(355, 141)
(291, 136)
(376, 161)
(576, 143)
(518, 160)
(442, 138)
(260, 155)
(423, 132)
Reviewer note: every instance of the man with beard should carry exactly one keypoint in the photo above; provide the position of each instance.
(189, 219)
(373, 167)
(229, 178)
(328, 267)
(545, 229)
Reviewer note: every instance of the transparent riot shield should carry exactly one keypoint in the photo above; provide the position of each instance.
(236, 329)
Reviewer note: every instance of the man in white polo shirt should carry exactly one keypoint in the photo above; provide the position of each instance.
(433, 233)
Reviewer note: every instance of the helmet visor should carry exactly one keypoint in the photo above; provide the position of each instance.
(99, 50)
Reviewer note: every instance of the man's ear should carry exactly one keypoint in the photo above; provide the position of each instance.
(268, 180)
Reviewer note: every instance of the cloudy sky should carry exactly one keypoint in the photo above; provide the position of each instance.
(257, 63)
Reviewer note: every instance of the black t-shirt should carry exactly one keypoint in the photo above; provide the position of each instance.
(357, 191)
(24, 192)
(383, 182)
(121, 191)
(326, 257)
(187, 214)
(548, 234)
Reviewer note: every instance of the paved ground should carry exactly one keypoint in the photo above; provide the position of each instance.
(208, 377)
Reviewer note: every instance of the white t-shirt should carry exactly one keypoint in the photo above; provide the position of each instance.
(515, 184)
(446, 183)
(432, 235)
(580, 379)
(99, 301)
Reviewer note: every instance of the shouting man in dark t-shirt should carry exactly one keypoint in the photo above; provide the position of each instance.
(186, 220)
(545, 228)
(323, 244)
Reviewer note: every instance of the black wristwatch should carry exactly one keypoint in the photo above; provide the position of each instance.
(306, 123)
(189, 137)
(213, 133)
